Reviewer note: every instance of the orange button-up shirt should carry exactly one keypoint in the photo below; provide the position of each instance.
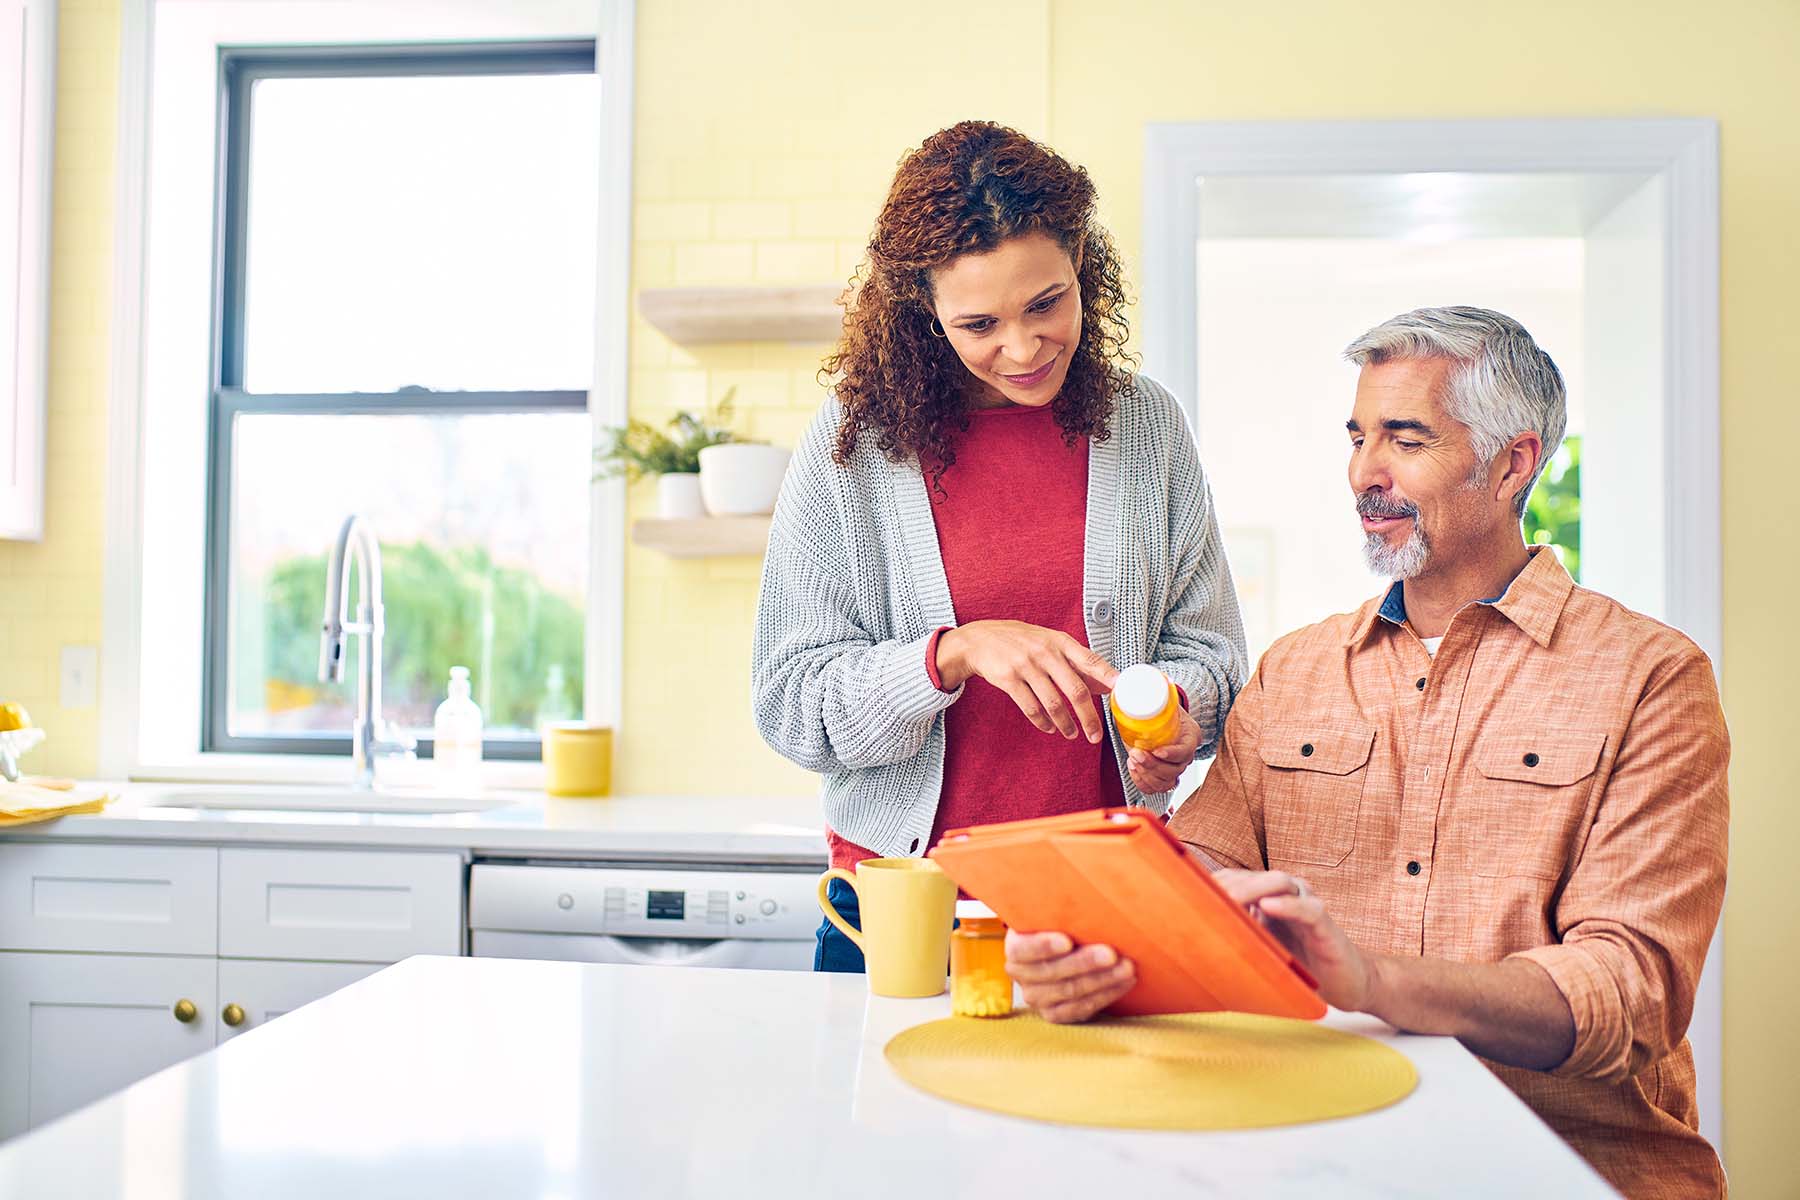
(1550, 786)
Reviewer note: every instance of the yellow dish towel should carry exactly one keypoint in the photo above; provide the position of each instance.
(33, 799)
(1194, 1071)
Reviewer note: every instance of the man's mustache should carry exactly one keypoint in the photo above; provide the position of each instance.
(1382, 506)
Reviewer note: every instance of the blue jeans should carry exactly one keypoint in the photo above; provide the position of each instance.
(834, 951)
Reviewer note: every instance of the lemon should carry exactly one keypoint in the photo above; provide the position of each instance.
(14, 716)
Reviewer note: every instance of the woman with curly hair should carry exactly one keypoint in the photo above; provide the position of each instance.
(989, 512)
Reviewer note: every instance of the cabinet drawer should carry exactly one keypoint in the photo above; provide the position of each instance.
(338, 906)
(100, 897)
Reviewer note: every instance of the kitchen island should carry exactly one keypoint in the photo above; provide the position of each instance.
(456, 1077)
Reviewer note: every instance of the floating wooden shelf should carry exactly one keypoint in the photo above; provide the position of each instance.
(693, 315)
(702, 537)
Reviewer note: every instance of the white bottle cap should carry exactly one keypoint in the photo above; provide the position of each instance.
(969, 910)
(459, 681)
(1141, 691)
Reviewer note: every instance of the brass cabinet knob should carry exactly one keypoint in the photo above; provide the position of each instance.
(185, 1011)
(232, 1015)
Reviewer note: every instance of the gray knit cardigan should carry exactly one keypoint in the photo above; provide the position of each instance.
(853, 586)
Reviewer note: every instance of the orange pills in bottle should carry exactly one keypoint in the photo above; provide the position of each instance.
(1146, 708)
(979, 984)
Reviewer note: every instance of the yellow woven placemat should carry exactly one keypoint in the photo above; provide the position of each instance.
(1193, 1071)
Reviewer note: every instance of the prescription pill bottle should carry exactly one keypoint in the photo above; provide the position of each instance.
(1146, 707)
(979, 984)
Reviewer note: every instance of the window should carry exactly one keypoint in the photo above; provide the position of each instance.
(404, 329)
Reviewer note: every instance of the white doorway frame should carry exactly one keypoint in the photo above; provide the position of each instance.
(1682, 153)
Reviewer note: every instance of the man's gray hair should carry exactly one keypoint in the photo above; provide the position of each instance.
(1502, 385)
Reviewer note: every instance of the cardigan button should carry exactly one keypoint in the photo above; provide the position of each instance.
(1102, 612)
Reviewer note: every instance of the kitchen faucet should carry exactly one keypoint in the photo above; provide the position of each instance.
(369, 736)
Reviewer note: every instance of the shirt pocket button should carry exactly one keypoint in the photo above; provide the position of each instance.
(1527, 807)
(1313, 782)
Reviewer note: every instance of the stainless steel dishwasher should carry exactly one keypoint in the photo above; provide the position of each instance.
(686, 914)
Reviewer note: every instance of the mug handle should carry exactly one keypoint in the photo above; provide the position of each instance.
(831, 914)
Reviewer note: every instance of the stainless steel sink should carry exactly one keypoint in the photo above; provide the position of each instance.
(342, 799)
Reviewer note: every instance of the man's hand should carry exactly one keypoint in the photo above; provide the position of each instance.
(1051, 677)
(1064, 984)
(1157, 771)
(1347, 977)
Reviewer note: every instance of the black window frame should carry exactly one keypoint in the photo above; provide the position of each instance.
(240, 68)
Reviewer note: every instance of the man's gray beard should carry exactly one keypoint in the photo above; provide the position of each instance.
(1401, 562)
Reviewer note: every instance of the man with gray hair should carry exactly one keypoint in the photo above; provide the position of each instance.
(1489, 803)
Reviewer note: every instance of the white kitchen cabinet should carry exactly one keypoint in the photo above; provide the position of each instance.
(100, 942)
(99, 897)
(260, 991)
(28, 40)
(75, 1027)
(339, 905)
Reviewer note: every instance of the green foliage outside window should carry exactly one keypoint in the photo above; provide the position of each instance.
(443, 608)
(1553, 515)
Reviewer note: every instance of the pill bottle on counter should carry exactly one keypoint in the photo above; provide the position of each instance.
(1146, 707)
(979, 984)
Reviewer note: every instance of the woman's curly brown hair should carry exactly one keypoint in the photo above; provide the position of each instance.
(966, 190)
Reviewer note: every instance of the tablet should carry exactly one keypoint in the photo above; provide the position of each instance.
(1115, 875)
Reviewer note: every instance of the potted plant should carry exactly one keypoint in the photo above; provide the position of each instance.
(740, 479)
(639, 449)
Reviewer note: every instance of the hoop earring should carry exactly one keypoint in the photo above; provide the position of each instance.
(936, 327)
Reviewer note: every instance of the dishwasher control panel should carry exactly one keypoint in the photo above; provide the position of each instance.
(643, 901)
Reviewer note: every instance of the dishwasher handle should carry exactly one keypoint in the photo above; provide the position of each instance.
(640, 951)
(666, 952)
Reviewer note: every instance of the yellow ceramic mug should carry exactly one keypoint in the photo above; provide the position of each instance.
(908, 906)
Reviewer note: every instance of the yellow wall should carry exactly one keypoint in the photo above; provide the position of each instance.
(766, 132)
(765, 136)
(50, 590)
(751, 168)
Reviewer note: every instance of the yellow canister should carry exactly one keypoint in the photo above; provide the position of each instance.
(577, 759)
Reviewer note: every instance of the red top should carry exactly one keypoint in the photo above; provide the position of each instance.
(1011, 525)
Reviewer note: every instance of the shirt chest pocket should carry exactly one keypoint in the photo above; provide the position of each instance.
(1313, 780)
(1528, 802)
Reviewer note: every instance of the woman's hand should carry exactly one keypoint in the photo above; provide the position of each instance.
(1156, 771)
(1051, 677)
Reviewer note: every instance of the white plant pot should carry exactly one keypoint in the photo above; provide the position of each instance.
(678, 496)
(741, 480)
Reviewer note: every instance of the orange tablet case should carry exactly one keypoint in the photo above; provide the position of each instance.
(1115, 875)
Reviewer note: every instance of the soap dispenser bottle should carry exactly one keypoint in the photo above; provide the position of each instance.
(456, 737)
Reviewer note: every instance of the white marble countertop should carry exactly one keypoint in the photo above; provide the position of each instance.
(445, 1078)
(512, 823)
